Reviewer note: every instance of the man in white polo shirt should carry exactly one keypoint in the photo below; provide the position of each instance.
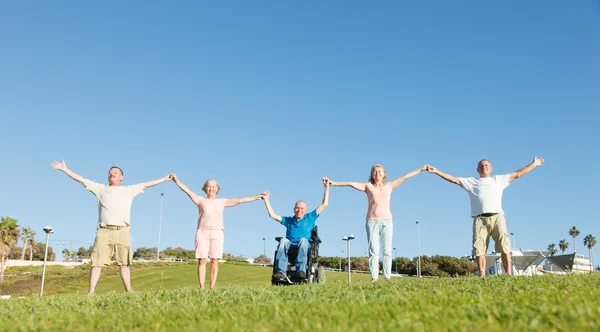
(485, 193)
(114, 210)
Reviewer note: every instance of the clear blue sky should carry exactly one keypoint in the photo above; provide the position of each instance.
(270, 95)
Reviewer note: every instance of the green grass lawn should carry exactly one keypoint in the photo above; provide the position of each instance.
(550, 302)
(186, 275)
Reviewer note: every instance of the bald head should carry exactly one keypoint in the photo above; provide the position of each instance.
(299, 210)
(484, 168)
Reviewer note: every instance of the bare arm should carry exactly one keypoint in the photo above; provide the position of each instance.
(325, 201)
(398, 181)
(62, 166)
(193, 196)
(443, 175)
(235, 201)
(272, 215)
(158, 181)
(356, 185)
(535, 163)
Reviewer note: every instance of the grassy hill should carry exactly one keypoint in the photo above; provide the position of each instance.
(245, 301)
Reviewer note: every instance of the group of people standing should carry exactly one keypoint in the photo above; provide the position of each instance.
(114, 207)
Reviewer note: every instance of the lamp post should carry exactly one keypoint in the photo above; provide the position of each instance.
(348, 239)
(419, 250)
(396, 269)
(341, 260)
(264, 247)
(159, 226)
(48, 231)
(513, 241)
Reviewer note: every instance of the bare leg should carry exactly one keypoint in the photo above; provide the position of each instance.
(126, 276)
(214, 271)
(201, 271)
(507, 262)
(481, 265)
(94, 277)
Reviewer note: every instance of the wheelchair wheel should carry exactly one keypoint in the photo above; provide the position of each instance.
(321, 274)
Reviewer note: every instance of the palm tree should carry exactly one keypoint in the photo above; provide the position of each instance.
(9, 235)
(26, 233)
(552, 249)
(31, 245)
(574, 232)
(563, 245)
(590, 242)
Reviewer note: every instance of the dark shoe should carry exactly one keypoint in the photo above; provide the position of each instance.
(301, 275)
(279, 276)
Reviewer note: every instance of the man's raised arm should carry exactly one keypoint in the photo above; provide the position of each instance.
(158, 181)
(62, 166)
(325, 201)
(443, 175)
(535, 163)
(272, 215)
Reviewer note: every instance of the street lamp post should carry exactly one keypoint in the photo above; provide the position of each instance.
(159, 227)
(264, 247)
(341, 260)
(348, 239)
(48, 231)
(514, 245)
(396, 269)
(419, 250)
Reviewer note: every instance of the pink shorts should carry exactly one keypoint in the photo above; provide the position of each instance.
(209, 243)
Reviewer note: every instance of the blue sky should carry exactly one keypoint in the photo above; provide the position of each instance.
(274, 95)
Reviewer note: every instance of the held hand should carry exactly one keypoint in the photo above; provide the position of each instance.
(169, 177)
(326, 182)
(264, 194)
(174, 177)
(538, 161)
(431, 169)
(59, 166)
(424, 168)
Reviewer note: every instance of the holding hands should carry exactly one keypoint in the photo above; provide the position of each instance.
(538, 161)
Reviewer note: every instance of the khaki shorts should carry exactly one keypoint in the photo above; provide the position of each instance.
(109, 243)
(494, 226)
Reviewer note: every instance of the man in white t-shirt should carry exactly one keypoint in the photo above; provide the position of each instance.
(485, 193)
(114, 210)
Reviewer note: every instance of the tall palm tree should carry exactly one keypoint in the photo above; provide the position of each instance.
(574, 232)
(31, 245)
(563, 245)
(9, 235)
(590, 242)
(552, 249)
(26, 233)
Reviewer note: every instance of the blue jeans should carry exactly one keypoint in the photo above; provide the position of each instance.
(285, 245)
(380, 230)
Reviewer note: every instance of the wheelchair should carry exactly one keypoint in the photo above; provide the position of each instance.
(314, 272)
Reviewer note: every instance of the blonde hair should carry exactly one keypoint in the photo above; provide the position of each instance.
(371, 179)
(206, 185)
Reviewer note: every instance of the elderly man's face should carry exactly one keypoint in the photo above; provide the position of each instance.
(299, 210)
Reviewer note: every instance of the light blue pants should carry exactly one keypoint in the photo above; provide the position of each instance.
(380, 230)
(285, 245)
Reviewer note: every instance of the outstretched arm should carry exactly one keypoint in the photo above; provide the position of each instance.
(195, 198)
(158, 181)
(443, 175)
(325, 201)
(535, 163)
(401, 179)
(235, 201)
(356, 185)
(62, 166)
(272, 215)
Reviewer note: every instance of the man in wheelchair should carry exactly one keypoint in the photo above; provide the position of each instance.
(297, 241)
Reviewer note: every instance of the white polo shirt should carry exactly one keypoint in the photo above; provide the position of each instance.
(485, 193)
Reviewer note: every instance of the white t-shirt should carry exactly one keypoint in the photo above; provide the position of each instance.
(485, 193)
(114, 202)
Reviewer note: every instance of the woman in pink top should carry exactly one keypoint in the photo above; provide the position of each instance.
(210, 233)
(379, 217)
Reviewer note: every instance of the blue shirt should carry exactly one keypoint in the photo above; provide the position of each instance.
(298, 229)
